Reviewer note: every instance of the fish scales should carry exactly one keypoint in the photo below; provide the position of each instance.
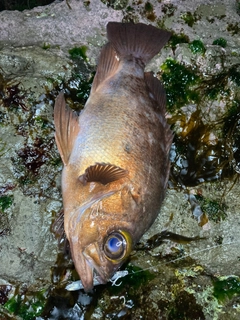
(113, 130)
(115, 154)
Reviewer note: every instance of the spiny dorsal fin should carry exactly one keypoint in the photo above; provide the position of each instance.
(107, 65)
(138, 40)
(66, 127)
(103, 173)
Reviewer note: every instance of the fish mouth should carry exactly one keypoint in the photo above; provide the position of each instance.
(90, 264)
(85, 271)
(101, 267)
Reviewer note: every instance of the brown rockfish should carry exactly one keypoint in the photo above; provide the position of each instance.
(115, 153)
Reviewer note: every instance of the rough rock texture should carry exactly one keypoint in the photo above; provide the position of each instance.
(34, 66)
(57, 25)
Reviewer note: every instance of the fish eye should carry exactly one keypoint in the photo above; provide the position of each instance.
(117, 246)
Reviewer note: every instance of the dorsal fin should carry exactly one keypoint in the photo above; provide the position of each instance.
(107, 65)
(66, 127)
(138, 40)
(157, 93)
(103, 173)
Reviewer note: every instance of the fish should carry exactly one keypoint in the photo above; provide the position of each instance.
(115, 153)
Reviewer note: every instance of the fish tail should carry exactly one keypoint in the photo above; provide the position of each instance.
(138, 40)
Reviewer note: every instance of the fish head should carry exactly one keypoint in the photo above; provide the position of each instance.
(100, 242)
(101, 257)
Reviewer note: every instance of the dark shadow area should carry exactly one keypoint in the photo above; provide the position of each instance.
(21, 5)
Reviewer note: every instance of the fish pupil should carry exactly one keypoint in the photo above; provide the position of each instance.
(114, 244)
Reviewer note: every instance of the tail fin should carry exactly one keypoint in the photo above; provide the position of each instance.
(138, 40)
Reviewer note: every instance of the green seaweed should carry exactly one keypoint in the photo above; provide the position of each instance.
(129, 9)
(238, 7)
(189, 18)
(220, 42)
(177, 81)
(232, 117)
(233, 28)
(226, 288)
(28, 308)
(46, 46)
(184, 86)
(77, 88)
(148, 7)
(84, 87)
(215, 210)
(25, 181)
(56, 161)
(78, 52)
(213, 91)
(149, 12)
(136, 278)
(116, 4)
(168, 9)
(5, 202)
(196, 46)
(86, 3)
(176, 39)
(215, 86)
(234, 75)
(233, 113)
(130, 15)
(42, 122)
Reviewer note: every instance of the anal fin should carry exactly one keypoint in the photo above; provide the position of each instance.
(103, 173)
(157, 90)
(66, 127)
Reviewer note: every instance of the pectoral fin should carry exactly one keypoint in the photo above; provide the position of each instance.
(103, 173)
(66, 127)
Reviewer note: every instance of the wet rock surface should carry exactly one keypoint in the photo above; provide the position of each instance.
(195, 280)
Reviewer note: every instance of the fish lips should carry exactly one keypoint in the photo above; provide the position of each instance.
(96, 261)
(84, 270)
(91, 262)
